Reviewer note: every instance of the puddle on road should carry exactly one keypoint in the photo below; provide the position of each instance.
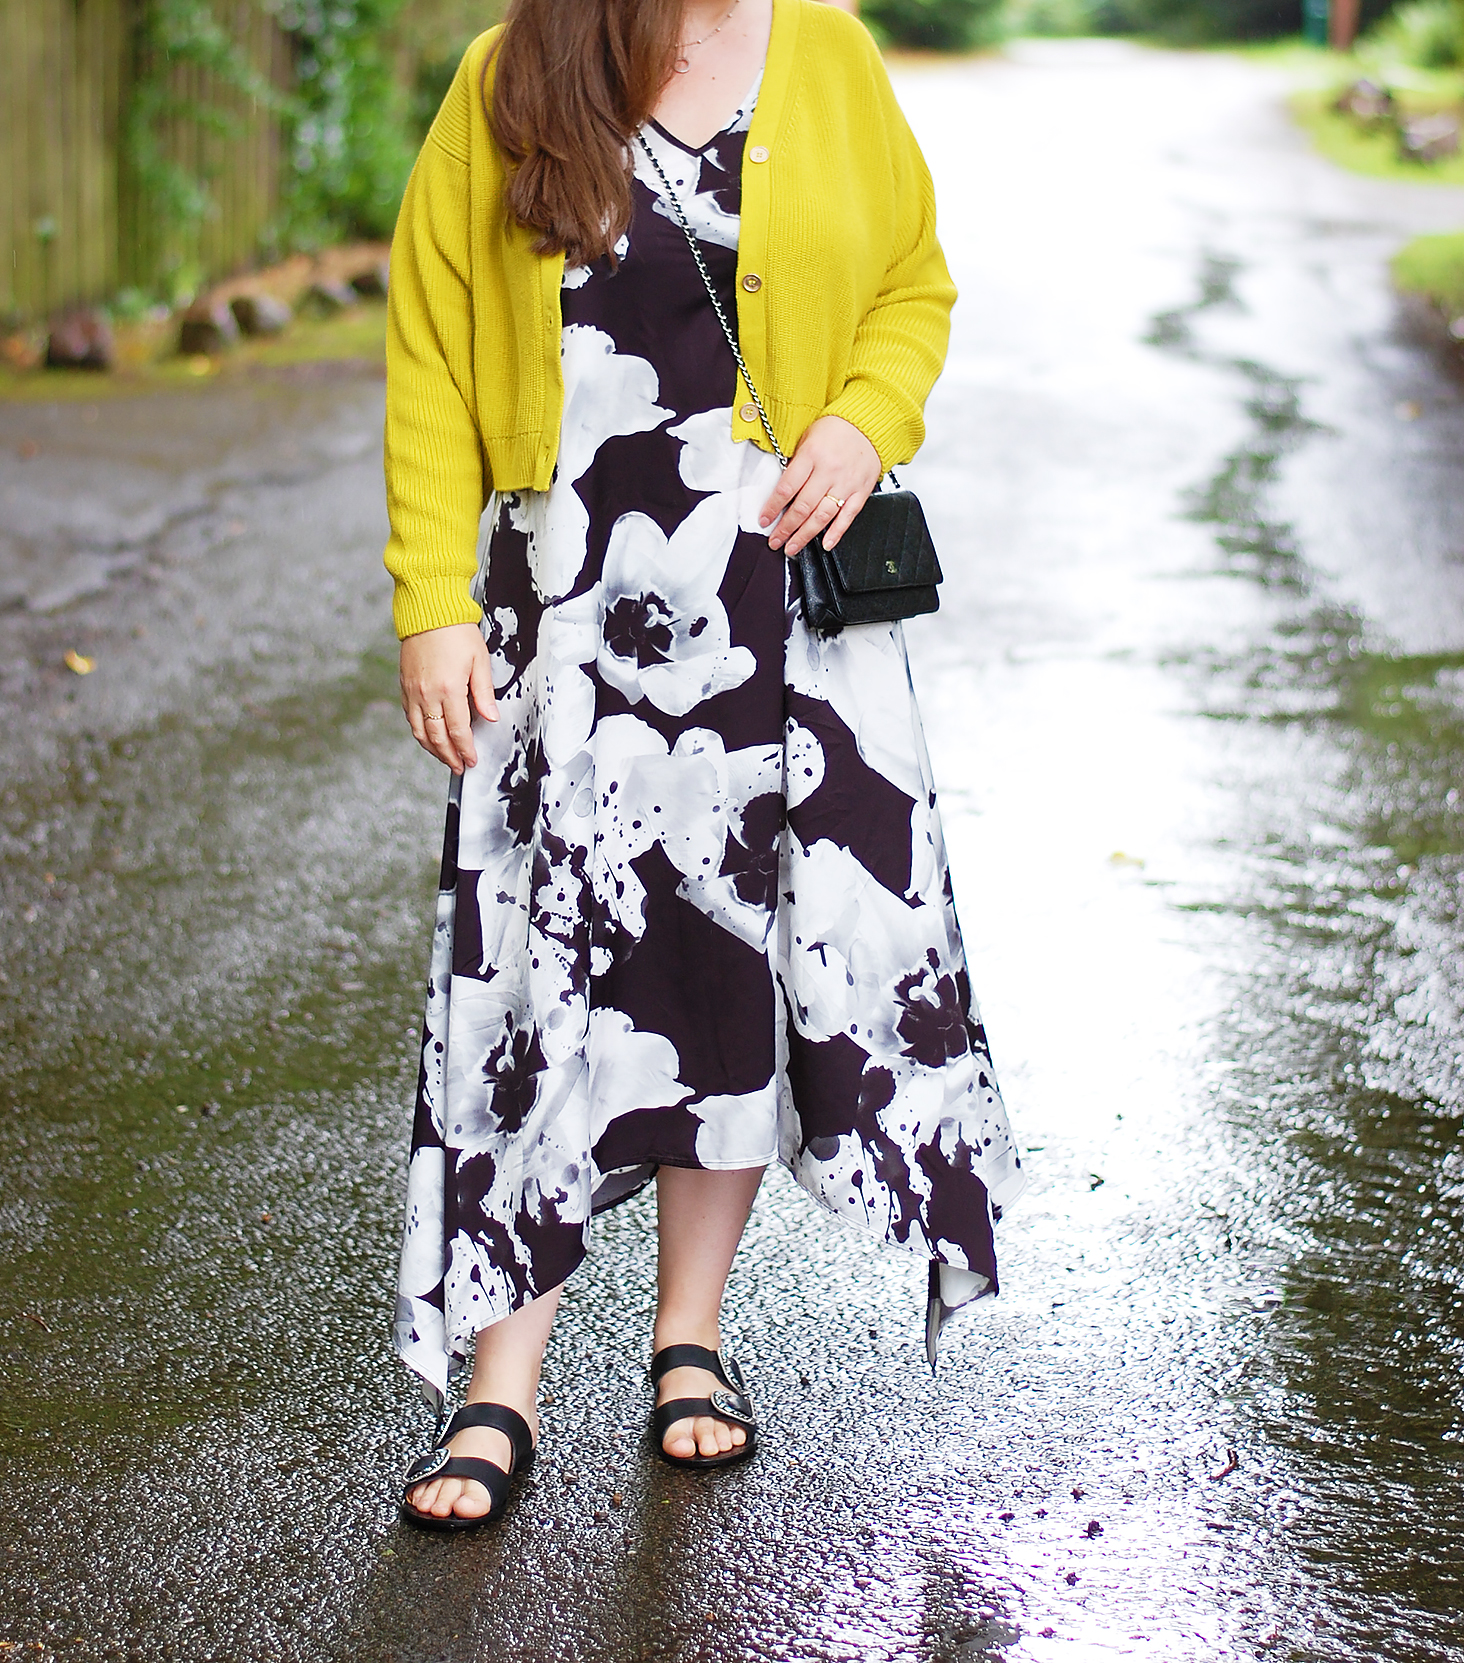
(1345, 1053)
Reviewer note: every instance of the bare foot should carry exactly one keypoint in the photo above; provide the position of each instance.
(466, 1497)
(699, 1434)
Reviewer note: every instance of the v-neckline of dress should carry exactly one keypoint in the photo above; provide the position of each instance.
(743, 108)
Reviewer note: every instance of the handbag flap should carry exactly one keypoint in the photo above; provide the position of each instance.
(887, 547)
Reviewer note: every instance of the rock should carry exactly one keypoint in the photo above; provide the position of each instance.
(23, 349)
(325, 297)
(371, 283)
(1367, 102)
(260, 314)
(81, 339)
(1429, 138)
(208, 327)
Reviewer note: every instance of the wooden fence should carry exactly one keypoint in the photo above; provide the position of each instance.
(75, 223)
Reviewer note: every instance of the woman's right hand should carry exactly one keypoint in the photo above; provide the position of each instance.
(446, 675)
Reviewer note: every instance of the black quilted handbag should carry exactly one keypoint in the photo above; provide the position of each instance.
(884, 567)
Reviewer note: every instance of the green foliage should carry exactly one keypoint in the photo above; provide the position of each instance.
(428, 40)
(1060, 17)
(1428, 34)
(350, 119)
(1192, 22)
(170, 35)
(936, 25)
(1433, 266)
(1200, 22)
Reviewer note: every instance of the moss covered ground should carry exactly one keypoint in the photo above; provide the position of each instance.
(1433, 267)
(146, 361)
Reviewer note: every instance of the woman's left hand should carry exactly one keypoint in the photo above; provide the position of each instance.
(826, 483)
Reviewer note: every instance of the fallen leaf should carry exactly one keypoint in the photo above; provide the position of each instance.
(1232, 1461)
(74, 661)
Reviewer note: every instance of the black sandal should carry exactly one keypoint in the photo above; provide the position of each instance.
(440, 1462)
(732, 1405)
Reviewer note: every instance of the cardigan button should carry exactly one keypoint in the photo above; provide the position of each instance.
(758, 153)
(748, 412)
(752, 282)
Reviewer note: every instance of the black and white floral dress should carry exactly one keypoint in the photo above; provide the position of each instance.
(694, 906)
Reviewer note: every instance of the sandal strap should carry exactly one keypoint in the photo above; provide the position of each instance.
(500, 1418)
(426, 1467)
(735, 1408)
(698, 1357)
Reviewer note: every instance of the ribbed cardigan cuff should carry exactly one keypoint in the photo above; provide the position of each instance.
(888, 428)
(423, 603)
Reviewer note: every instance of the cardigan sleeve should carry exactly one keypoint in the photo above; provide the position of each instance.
(900, 345)
(435, 470)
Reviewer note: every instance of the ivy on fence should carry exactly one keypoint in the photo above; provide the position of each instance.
(169, 36)
(351, 140)
(347, 124)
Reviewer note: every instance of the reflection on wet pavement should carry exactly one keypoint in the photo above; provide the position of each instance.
(1196, 696)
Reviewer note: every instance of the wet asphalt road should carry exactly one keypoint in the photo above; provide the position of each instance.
(1196, 698)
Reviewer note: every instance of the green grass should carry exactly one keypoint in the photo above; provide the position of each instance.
(1433, 266)
(356, 334)
(1342, 140)
(1319, 74)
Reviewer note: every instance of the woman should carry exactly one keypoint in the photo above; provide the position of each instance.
(694, 911)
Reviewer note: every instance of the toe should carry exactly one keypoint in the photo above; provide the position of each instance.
(473, 1500)
(680, 1439)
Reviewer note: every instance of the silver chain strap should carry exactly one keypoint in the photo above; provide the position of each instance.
(712, 295)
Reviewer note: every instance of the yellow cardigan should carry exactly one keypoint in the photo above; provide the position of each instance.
(843, 299)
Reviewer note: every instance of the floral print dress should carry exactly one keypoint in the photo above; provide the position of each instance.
(694, 906)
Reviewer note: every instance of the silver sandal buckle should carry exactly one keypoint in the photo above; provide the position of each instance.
(734, 1405)
(436, 1461)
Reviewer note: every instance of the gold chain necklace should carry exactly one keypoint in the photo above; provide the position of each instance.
(683, 63)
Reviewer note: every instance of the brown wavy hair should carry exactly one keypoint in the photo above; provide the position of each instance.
(574, 80)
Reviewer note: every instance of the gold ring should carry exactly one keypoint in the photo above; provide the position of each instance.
(832, 498)
(438, 716)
